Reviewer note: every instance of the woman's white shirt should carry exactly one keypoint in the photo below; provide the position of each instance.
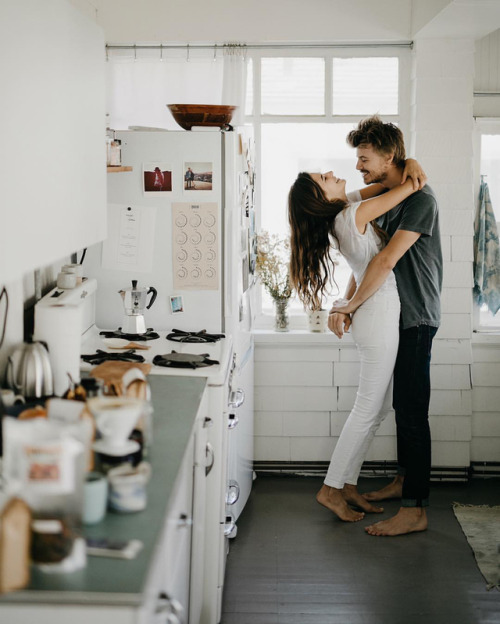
(358, 249)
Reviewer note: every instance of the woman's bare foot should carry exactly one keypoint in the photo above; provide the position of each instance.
(407, 520)
(354, 498)
(332, 499)
(393, 490)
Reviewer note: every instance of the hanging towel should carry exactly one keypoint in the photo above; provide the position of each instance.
(486, 253)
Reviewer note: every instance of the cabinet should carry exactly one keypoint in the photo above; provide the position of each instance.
(158, 586)
(52, 178)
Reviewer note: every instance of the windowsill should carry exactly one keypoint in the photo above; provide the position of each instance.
(486, 337)
(302, 337)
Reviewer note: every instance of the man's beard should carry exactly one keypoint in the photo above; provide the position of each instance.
(375, 177)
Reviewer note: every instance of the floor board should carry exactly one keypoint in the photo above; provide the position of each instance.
(293, 562)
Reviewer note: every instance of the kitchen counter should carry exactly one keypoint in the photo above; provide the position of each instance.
(107, 581)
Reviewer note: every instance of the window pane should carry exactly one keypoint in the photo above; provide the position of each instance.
(288, 149)
(249, 94)
(365, 86)
(293, 86)
(490, 167)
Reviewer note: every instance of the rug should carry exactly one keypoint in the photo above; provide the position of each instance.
(481, 527)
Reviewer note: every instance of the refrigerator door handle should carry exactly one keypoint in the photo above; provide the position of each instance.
(237, 398)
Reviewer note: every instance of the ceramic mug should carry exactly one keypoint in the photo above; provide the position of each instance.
(95, 498)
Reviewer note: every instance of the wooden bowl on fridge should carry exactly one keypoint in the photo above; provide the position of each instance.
(189, 115)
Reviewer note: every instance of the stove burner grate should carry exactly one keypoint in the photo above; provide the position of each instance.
(183, 360)
(149, 335)
(103, 356)
(177, 335)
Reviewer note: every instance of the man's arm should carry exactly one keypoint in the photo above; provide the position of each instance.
(379, 268)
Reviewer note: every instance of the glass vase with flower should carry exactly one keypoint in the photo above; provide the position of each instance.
(273, 257)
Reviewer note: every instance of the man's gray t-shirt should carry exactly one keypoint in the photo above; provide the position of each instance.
(419, 273)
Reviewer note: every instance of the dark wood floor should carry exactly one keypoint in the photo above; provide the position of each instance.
(293, 562)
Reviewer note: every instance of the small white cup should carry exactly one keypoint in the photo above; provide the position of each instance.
(10, 398)
(318, 320)
(95, 498)
(66, 280)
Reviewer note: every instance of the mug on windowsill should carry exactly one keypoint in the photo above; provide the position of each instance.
(317, 320)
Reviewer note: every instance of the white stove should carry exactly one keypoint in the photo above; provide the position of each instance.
(221, 351)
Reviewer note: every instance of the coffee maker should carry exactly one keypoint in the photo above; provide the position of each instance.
(135, 303)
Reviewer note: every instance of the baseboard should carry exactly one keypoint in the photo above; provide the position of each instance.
(369, 469)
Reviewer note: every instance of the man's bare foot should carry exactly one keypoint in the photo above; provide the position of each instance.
(393, 490)
(407, 520)
(354, 498)
(332, 499)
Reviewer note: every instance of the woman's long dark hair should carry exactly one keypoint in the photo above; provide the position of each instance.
(311, 217)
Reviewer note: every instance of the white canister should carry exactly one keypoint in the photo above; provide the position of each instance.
(318, 320)
(66, 280)
(127, 487)
(76, 269)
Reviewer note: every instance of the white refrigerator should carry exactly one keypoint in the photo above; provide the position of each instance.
(192, 238)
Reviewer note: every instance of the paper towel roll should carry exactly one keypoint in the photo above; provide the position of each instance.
(59, 326)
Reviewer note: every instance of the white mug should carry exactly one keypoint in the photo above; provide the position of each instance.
(10, 398)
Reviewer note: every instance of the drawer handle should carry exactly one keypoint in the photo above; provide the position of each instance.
(184, 521)
(237, 398)
(230, 528)
(232, 421)
(233, 492)
(208, 422)
(171, 607)
(210, 455)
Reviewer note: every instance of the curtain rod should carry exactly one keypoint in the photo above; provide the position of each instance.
(259, 46)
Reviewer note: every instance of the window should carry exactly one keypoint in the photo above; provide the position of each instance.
(302, 108)
(489, 169)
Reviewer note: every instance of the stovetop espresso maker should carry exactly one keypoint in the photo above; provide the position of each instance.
(135, 303)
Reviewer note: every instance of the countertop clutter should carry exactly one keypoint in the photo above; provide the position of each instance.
(110, 582)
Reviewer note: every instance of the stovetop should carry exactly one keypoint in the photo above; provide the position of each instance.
(219, 351)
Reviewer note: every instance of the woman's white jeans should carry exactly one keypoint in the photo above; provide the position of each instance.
(375, 330)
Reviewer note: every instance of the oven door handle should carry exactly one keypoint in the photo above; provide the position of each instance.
(237, 398)
(209, 453)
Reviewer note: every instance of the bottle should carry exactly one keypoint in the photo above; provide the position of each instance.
(115, 157)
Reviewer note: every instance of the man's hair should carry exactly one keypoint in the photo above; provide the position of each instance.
(385, 138)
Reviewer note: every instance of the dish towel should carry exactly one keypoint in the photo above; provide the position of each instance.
(486, 254)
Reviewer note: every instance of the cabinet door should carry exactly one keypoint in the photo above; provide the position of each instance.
(53, 175)
(176, 545)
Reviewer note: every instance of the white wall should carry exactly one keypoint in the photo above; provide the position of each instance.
(255, 21)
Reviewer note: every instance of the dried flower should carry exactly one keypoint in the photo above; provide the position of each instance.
(273, 257)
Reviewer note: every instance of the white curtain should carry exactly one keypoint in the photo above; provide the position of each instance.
(140, 84)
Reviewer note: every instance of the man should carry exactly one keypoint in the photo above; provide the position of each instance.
(414, 252)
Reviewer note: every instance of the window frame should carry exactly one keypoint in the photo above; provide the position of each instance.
(298, 320)
(483, 126)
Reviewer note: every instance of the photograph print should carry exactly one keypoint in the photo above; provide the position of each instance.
(157, 178)
(198, 176)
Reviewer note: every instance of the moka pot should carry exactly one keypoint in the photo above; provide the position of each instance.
(135, 302)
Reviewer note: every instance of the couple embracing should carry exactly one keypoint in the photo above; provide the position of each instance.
(389, 234)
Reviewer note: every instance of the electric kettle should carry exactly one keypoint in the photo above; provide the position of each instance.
(29, 371)
(135, 302)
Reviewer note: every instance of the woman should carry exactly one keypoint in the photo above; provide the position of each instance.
(321, 215)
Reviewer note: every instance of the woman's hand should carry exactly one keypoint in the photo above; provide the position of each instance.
(414, 171)
(339, 323)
